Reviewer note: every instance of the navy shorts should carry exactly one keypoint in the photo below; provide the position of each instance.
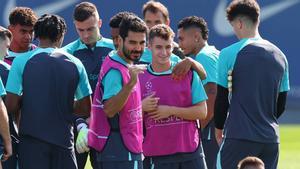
(37, 154)
(197, 163)
(234, 150)
(120, 165)
(191, 160)
(211, 149)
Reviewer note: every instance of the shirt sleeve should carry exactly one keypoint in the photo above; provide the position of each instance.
(14, 80)
(175, 58)
(285, 84)
(83, 88)
(112, 83)
(210, 67)
(2, 89)
(222, 69)
(198, 92)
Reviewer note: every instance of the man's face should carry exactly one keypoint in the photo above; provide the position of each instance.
(4, 45)
(161, 50)
(88, 30)
(186, 41)
(22, 35)
(153, 19)
(114, 32)
(133, 46)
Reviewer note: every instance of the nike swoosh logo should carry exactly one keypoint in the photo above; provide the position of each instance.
(222, 26)
(54, 7)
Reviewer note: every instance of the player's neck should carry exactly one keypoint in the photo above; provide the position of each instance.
(14, 47)
(45, 43)
(250, 34)
(160, 67)
(121, 54)
(198, 48)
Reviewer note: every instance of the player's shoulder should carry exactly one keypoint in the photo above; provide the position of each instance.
(26, 56)
(273, 46)
(105, 42)
(72, 46)
(70, 57)
(208, 53)
(4, 65)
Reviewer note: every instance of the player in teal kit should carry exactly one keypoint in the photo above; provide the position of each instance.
(21, 22)
(259, 88)
(43, 85)
(90, 48)
(192, 38)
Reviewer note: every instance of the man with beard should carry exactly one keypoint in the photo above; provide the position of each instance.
(116, 130)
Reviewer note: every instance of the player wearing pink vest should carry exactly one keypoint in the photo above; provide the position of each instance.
(116, 122)
(172, 138)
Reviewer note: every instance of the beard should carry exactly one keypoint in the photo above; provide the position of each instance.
(127, 53)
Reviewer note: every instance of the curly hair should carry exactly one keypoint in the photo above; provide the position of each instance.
(23, 16)
(50, 27)
(194, 22)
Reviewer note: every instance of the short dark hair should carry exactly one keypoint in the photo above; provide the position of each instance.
(250, 161)
(116, 19)
(84, 10)
(155, 7)
(132, 23)
(247, 8)
(50, 27)
(23, 16)
(162, 31)
(5, 33)
(194, 22)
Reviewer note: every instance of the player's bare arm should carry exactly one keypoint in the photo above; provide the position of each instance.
(185, 65)
(197, 111)
(83, 106)
(211, 91)
(4, 131)
(114, 105)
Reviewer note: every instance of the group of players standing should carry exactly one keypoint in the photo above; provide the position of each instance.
(156, 107)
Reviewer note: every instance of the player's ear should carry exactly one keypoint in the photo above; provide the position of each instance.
(240, 23)
(149, 44)
(120, 41)
(99, 23)
(168, 22)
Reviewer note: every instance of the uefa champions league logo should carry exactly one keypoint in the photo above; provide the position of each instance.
(148, 85)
